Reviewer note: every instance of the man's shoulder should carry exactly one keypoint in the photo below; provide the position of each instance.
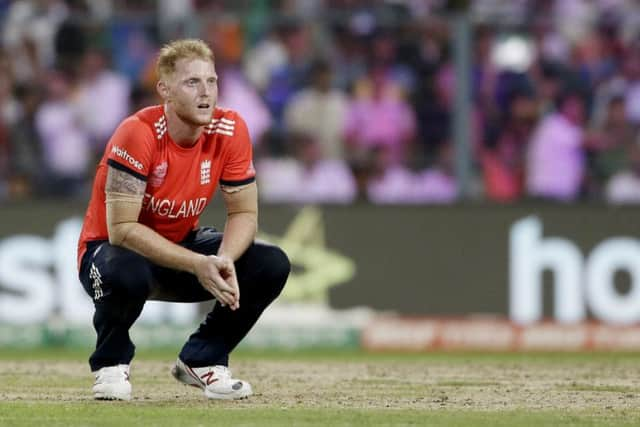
(224, 113)
(140, 123)
(148, 121)
(150, 115)
(223, 122)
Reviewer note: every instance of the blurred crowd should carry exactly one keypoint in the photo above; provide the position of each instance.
(345, 100)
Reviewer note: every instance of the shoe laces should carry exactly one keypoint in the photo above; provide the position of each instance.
(117, 372)
(223, 372)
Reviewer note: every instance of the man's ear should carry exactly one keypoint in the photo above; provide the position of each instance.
(163, 89)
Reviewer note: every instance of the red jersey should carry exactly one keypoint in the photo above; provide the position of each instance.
(180, 180)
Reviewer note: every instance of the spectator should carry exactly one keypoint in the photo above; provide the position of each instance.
(631, 84)
(617, 135)
(308, 178)
(502, 167)
(624, 187)
(263, 59)
(348, 57)
(437, 184)
(436, 115)
(28, 35)
(291, 76)
(134, 50)
(555, 161)
(319, 110)
(503, 161)
(102, 98)
(65, 143)
(379, 116)
(389, 182)
(383, 58)
(26, 148)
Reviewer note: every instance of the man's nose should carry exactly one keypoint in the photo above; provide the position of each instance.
(205, 90)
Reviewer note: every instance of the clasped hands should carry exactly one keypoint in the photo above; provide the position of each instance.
(217, 274)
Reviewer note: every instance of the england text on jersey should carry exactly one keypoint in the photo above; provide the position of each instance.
(180, 180)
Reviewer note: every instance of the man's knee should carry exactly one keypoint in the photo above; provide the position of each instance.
(275, 267)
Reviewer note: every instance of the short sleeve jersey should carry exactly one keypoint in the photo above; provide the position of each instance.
(180, 180)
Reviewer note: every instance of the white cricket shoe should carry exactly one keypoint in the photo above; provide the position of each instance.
(216, 381)
(112, 383)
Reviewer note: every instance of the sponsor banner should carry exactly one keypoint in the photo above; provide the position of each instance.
(427, 334)
(568, 263)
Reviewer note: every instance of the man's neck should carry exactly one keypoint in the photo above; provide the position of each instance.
(181, 132)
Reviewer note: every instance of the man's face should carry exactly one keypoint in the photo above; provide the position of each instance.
(193, 90)
(573, 109)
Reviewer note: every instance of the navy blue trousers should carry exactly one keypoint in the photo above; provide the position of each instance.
(120, 282)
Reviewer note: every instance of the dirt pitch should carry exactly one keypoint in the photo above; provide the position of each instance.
(462, 383)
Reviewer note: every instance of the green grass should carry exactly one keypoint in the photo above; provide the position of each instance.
(321, 354)
(172, 414)
(441, 398)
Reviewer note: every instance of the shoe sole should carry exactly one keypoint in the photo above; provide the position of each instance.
(184, 378)
(219, 396)
(102, 396)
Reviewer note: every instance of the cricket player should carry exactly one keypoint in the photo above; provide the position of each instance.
(141, 239)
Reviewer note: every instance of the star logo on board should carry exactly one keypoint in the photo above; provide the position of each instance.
(315, 267)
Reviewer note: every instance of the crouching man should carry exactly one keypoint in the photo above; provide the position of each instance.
(141, 239)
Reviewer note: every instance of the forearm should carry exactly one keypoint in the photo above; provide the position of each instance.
(148, 243)
(239, 232)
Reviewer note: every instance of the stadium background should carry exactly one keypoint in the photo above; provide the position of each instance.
(372, 167)
(414, 159)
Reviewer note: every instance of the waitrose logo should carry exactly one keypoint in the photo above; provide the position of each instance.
(123, 154)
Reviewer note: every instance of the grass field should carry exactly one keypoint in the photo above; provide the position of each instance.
(329, 388)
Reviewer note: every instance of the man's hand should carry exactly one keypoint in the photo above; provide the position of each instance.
(217, 275)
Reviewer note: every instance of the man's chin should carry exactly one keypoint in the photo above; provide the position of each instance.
(203, 122)
(205, 118)
(198, 119)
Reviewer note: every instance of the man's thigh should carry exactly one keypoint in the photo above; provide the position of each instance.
(179, 286)
(112, 270)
